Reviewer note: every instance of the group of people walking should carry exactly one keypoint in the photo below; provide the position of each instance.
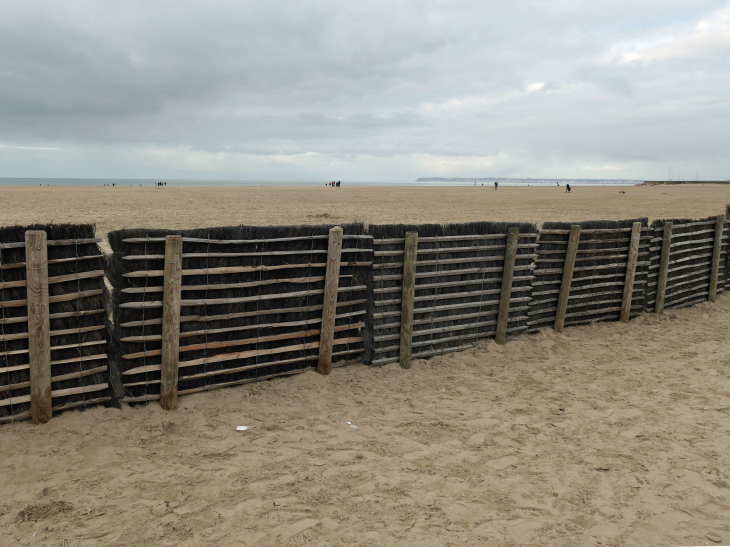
(334, 184)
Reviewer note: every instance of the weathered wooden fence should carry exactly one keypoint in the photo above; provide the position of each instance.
(195, 310)
(53, 333)
(438, 289)
(688, 261)
(236, 305)
(589, 271)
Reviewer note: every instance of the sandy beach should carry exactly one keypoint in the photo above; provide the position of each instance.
(112, 208)
(606, 435)
(609, 434)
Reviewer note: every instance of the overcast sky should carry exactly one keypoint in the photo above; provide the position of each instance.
(376, 90)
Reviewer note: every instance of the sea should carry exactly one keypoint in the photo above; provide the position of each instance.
(431, 181)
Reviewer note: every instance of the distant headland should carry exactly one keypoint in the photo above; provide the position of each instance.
(540, 181)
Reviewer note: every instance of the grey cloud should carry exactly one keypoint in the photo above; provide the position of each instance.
(119, 85)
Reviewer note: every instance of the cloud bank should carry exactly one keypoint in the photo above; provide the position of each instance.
(365, 91)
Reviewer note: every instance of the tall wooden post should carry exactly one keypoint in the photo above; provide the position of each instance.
(409, 289)
(172, 289)
(661, 286)
(719, 226)
(630, 272)
(506, 293)
(39, 325)
(329, 307)
(567, 281)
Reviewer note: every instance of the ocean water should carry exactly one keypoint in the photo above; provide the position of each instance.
(214, 182)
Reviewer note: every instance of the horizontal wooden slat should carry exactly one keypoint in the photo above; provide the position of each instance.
(243, 355)
(220, 286)
(24, 335)
(238, 269)
(243, 342)
(52, 243)
(239, 315)
(55, 394)
(449, 238)
(24, 319)
(256, 326)
(53, 299)
(61, 378)
(13, 265)
(239, 300)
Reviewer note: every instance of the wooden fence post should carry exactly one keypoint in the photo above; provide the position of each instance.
(716, 257)
(568, 266)
(661, 286)
(630, 272)
(39, 328)
(505, 296)
(171, 322)
(409, 283)
(329, 307)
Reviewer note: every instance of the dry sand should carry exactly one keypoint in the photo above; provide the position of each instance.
(111, 208)
(608, 434)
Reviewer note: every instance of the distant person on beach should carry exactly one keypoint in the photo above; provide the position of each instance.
(496, 185)
(567, 188)
(338, 184)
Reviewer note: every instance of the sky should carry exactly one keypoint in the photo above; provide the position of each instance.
(377, 90)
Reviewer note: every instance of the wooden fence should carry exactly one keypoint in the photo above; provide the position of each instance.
(196, 310)
(236, 305)
(586, 271)
(451, 279)
(53, 305)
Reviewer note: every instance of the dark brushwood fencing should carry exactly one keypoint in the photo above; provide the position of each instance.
(596, 279)
(196, 310)
(57, 283)
(251, 304)
(690, 249)
(458, 281)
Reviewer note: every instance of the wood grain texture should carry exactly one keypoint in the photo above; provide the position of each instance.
(661, 290)
(506, 290)
(568, 268)
(630, 272)
(716, 252)
(410, 256)
(329, 306)
(171, 322)
(39, 326)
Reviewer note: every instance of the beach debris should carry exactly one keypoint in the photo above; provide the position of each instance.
(352, 426)
(243, 427)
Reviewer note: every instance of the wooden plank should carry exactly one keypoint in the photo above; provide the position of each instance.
(56, 242)
(329, 305)
(568, 266)
(171, 321)
(229, 316)
(217, 301)
(663, 268)
(53, 316)
(410, 257)
(39, 326)
(716, 257)
(239, 269)
(506, 289)
(24, 335)
(242, 342)
(630, 273)
(244, 355)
